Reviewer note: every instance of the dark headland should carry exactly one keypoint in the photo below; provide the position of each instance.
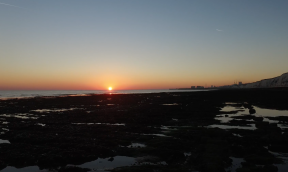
(170, 129)
(276, 82)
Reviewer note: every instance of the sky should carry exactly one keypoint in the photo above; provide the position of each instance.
(140, 44)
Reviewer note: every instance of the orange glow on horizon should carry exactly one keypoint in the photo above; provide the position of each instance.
(115, 81)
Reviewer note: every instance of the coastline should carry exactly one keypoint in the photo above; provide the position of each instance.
(55, 132)
(19, 94)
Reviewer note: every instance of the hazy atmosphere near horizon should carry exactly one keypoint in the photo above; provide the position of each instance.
(147, 44)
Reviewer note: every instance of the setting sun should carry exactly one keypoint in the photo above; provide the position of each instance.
(110, 88)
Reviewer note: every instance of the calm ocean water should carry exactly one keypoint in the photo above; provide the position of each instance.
(28, 93)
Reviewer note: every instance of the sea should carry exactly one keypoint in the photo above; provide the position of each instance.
(8, 94)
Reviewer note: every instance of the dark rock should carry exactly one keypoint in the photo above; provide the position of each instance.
(273, 125)
(215, 167)
(210, 149)
(258, 119)
(243, 117)
(73, 169)
(238, 150)
(278, 148)
(262, 125)
(176, 157)
(252, 111)
(51, 160)
(266, 168)
(270, 168)
(260, 160)
(248, 106)
(246, 164)
(250, 169)
(2, 165)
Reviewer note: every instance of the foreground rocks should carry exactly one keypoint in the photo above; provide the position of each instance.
(79, 129)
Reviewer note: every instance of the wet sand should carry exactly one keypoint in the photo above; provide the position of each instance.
(145, 132)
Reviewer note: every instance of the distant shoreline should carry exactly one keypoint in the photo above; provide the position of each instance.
(227, 88)
(20, 94)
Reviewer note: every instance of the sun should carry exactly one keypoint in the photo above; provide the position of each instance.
(109, 88)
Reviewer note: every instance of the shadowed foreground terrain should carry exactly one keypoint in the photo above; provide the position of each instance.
(162, 131)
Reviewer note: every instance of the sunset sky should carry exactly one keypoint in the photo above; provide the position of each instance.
(140, 44)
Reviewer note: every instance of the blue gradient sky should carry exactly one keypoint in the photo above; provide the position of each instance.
(148, 44)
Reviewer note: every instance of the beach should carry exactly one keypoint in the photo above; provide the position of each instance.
(217, 130)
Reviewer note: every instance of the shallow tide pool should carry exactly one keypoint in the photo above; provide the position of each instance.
(225, 118)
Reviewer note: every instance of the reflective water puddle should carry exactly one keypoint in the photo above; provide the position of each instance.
(109, 163)
(21, 116)
(168, 128)
(43, 125)
(284, 156)
(235, 164)
(101, 164)
(54, 110)
(232, 113)
(136, 145)
(150, 160)
(160, 135)
(25, 169)
(250, 127)
(4, 141)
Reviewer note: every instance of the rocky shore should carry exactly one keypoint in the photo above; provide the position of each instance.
(161, 131)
